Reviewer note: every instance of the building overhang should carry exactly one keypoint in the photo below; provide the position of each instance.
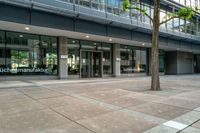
(17, 27)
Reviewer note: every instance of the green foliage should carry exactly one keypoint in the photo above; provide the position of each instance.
(183, 13)
(186, 13)
(126, 5)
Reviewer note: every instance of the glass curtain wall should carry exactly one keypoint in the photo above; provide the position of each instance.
(144, 18)
(107, 58)
(73, 57)
(162, 61)
(197, 63)
(133, 60)
(2, 50)
(76, 46)
(27, 54)
(99, 4)
(192, 3)
(115, 7)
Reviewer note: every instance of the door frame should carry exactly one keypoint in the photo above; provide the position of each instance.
(101, 62)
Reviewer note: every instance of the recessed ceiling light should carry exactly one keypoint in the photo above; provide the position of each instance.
(27, 28)
(21, 36)
(143, 44)
(110, 39)
(73, 41)
(87, 36)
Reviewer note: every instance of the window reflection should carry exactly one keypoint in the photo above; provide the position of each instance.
(76, 46)
(161, 61)
(163, 17)
(115, 7)
(182, 25)
(133, 60)
(85, 3)
(182, 2)
(99, 4)
(107, 58)
(176, 25)
(28, 54)
(144, 18)
(73, 57)
(2, 51)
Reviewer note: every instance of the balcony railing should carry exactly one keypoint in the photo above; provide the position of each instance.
(102, 12)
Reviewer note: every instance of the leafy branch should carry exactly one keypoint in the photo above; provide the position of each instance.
(185, 13)
(128, 6)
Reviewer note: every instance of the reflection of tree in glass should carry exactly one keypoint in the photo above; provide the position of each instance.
(19, 58)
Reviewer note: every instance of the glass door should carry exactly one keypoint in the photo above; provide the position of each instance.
(91, 64)
(196, 63)
(85, 64)
(97, 64)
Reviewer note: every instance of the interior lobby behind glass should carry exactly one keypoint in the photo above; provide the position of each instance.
(89, 59)
(133, 60)
(27, 54)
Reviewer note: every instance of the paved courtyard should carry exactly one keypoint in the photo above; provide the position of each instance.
(109, 105)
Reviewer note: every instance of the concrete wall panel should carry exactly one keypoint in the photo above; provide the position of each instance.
(51, 21)
(163, 41)
(173, 43)
(195, 47)
(14, 14)
(142, 37)
(185, 63)
(90, 27)
(119, 33)
(186, 45)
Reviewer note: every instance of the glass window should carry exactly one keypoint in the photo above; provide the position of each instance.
(85, 3)
(188, 3)
(107, 58)
(144, 18)
(2, 51)
(133, 60)
(188, 26)
(182, 2)
(28, 54)
(73, 57)
(88, 45)
(143, 60)
(197, 63)
(161, 61)
(170, 25)
(182, 25)
(193, 27)
(98, 4)
(198, 25)
(110, 6)
(194, 3)
(71, 1)
(176, 1)
(116, 7)
(176, 25)
(123, 13)
(49, 54)
(163, 17)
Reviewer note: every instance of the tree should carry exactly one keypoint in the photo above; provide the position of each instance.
(185, 13)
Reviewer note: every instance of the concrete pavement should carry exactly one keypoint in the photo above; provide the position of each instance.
(112, 105)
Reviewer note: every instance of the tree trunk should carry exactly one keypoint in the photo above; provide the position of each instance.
(155, 80)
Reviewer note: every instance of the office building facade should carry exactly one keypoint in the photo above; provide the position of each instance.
(51, 39)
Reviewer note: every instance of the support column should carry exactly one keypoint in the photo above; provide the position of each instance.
(63, 68)
(116, 60)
